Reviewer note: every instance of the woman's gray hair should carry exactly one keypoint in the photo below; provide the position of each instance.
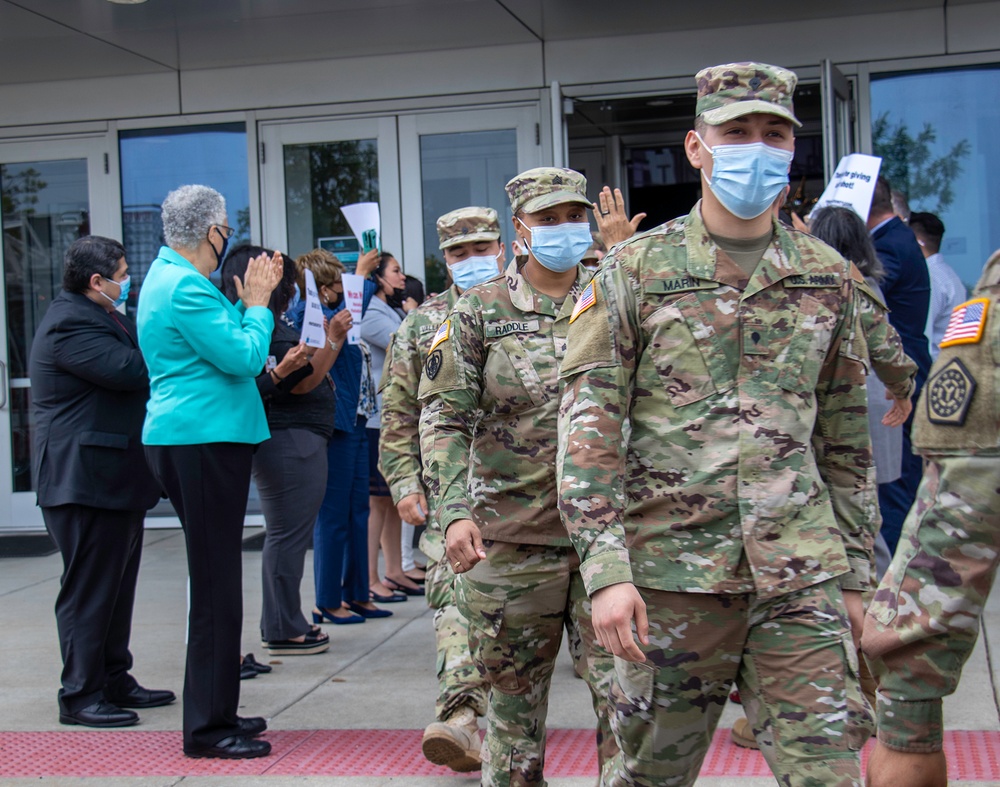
(188, 212)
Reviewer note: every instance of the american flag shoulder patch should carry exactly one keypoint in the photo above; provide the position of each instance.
(968, 320)
(441, 335)
(587, 299)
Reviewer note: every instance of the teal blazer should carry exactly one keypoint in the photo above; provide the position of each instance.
(203, 355)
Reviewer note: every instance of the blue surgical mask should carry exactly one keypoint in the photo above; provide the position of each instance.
(747, 179)
(473, 270)
(124, 286)
(561, 247)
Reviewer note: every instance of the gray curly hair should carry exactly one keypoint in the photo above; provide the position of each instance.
(188, 212)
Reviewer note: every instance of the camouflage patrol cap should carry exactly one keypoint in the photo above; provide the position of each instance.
(543, 187)
(736, 89)
(467, 224)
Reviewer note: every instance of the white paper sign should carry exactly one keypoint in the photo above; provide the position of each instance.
(312, 319)
(354, 293)
(853, 184)
(364, 216)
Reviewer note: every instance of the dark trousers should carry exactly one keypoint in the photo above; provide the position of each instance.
(208, 486)
(340, 538)
(101, 551)
(290, 471)
(896, 498)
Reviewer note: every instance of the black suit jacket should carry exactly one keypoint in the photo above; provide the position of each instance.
(907, 289)
(89, 387)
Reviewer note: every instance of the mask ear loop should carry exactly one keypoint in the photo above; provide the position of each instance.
(529, 233)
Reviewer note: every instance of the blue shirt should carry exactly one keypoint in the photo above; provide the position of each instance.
(203, 355)
(346, 370)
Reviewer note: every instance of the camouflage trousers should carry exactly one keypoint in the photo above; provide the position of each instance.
(924, 620)
(517, 602)
(459, 682)
(794, 662)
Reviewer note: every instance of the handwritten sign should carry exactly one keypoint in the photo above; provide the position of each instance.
(312, 319)
(354, 292)
(853, 184)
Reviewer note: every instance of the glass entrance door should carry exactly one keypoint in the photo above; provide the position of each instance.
(48, 193)
(310, 169)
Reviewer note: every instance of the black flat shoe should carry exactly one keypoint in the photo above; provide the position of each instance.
(394, 586)
(101, 714)
(252, 726)
(257, 666)
(247, 672)
(236, 747)
(140, 697)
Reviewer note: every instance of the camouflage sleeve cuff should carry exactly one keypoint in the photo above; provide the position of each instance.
(452, 513)
(910, 726)
(860, 575)
(404, 488)
(904, 389)
(607, 568)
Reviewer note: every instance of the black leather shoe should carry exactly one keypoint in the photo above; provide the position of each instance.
(251, 726)
(139, 697)
(236, 747)
(101, 714)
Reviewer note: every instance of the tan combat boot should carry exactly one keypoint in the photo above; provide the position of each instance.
(742, 734)
(454, 742)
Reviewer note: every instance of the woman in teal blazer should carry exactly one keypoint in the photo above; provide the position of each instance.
(203, 421)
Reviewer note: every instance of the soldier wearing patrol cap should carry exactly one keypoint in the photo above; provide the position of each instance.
(490, 394)
(714, 463)
(924, 620)
(473, 252)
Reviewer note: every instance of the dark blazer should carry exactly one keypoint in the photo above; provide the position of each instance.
(89, 388)
(907, 289)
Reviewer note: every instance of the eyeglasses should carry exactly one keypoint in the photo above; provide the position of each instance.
(224, 231)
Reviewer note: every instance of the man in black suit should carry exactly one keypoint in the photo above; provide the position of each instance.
(907, 289)
(89, 387)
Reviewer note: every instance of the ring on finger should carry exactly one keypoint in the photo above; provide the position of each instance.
(605, 212)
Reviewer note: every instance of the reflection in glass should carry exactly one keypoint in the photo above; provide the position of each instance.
(935, 132)
(456, 171)
(319, 179)
(45, 208)
(155, 161)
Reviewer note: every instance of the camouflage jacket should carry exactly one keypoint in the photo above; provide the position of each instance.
(491, 394)
(399, 439)
(958, 412)
(713, 429)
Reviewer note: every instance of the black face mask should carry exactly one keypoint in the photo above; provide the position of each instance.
(219, 254)
(396, 298)
(333, 304)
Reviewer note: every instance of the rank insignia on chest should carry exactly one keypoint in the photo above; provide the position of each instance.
(967, 323)
(949, 394)
(441, 335)
(587, 299)
(433, 364)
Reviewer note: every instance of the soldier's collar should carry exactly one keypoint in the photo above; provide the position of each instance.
(526, 298)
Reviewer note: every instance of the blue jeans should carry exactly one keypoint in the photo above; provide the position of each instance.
(340, 536)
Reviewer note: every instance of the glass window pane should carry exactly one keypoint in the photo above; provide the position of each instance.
(321, 177)
(46, 207)
(935, 132)
(456, 171)
(155, 161)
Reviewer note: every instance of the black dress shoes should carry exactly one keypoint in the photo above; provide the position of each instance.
(139, 697)
(101, 714)
(252, 726)
(236, 747)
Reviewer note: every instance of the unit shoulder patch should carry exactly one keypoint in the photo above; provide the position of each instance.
(433, 364)
(949, 394)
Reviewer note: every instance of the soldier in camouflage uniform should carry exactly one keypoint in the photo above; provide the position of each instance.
(924, 621)
(470, 240)
(490, 391)
(715, 466)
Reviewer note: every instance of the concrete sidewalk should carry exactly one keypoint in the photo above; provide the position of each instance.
(379, 676)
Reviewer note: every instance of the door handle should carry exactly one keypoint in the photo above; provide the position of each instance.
(3, 386)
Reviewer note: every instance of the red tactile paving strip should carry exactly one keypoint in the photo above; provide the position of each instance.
(972, 756)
